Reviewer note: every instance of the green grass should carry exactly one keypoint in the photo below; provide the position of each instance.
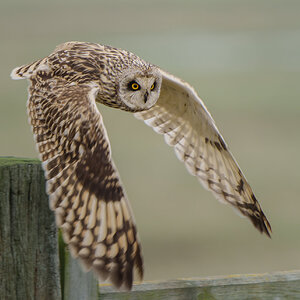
(242, 57)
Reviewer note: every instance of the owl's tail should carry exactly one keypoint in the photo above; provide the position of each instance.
(26, 71)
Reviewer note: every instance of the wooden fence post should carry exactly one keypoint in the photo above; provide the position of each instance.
(78, 285)
(29, 266)
(29, 250)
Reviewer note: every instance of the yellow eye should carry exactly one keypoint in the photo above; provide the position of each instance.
(152, 86)
(135, 86)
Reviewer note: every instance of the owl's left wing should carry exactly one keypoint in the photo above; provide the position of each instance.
(186, 124)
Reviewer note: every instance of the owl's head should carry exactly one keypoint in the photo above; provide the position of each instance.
(139, 89)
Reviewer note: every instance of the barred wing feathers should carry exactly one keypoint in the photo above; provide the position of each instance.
(183, 119)
(83, 185)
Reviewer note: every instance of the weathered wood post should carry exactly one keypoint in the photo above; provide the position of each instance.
(29, 248)
(29, 264)
(78, 285)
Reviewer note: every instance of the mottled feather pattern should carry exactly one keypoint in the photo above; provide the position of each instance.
(82, 181)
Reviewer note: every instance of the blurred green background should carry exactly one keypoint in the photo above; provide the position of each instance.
(243, 58)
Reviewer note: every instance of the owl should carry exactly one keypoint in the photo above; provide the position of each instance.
(83, 184)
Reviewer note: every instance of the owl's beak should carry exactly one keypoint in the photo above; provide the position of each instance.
(146, 96)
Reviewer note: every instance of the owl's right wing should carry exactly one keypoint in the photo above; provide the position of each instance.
(83, 185)
(186, 124)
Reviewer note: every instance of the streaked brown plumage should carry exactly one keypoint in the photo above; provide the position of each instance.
(82, 182)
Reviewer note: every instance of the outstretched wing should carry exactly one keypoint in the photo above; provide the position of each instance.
(82, 182)
(183, 119)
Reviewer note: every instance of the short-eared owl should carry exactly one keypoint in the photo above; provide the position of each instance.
(83, 184)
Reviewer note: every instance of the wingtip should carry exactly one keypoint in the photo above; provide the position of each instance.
(15, 74)
(267, 228)
(263, 225)
(139, 265)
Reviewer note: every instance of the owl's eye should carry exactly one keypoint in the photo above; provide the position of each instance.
(153, 86)
(134, 86)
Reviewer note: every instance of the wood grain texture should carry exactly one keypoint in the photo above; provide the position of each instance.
(29, 267)
(280, 285)
(29, 256)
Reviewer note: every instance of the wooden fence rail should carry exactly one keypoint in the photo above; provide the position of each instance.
(34, 263)
(275, 286)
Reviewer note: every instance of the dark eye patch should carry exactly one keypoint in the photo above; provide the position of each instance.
(133, 86)
(153, 86)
